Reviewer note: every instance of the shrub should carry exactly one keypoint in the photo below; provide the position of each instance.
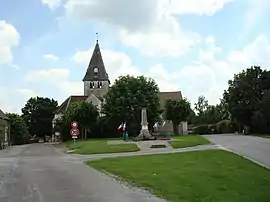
(226, 126)
(104, 128)
(212, 128)
(201, 129)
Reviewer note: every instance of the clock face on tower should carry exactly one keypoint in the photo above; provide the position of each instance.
(96, 70)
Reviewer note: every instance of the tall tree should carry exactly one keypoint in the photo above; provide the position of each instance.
(177, 111)
(38, 113)
(127, 96)
(18, 130)
(201, 105)
(86, 114)
(245, 93)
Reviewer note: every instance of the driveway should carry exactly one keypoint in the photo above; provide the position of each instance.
(256, 149)
(40, 173)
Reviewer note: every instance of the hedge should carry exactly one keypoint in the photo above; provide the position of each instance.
(224, 126)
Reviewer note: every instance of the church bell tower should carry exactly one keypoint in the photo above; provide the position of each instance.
(96, 80)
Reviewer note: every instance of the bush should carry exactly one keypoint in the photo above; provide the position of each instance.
(104, 128)
(201, 129)
(212, 128)
(226, 126)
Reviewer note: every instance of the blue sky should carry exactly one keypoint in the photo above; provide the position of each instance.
(194, 47)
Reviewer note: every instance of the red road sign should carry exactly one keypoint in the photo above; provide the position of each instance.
(74, 132)
(74, 124)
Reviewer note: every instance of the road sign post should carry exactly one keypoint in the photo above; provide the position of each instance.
(74, 132)
(74, 124)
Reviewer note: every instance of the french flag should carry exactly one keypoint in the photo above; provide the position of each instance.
(122, 127)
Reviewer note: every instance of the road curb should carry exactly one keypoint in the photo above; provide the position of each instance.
(237, 153)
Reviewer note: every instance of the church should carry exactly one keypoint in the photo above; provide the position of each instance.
(96, 85)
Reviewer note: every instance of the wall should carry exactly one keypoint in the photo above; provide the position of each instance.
(4, 132)
(168, 128)
(98, 91)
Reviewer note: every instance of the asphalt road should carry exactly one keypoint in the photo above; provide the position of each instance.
(40, 173)
(254, 148)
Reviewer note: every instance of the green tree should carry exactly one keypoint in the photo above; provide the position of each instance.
(200, 107)
(38, 113)
(18, 130)
(177, 111)
(244, 95)
(264, 110)
(127, 96)
(86, 114)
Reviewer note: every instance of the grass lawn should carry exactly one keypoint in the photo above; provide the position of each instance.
(99, 146)
(188, 141)
(210, 176)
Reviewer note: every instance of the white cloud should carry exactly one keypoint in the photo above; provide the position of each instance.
(27, 93)
(14, 99)
(70, 88)
(59, 77)
(198, 7)
(207, 76)
(120, 64)
(9, 38)
(210, 75)
(52, 4)
(56, 74)
(50, 57)
(256, 9)
(151, 26)
(116, 63)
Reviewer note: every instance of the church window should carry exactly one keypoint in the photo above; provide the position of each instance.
(92, 85)
(100, 84)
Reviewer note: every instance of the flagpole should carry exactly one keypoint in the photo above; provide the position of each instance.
(124, 128)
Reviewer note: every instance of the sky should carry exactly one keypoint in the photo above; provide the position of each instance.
(193, 46)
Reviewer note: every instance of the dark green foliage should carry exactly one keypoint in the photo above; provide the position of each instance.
(18, 130)
(201, 129)
(226, 126)
(125, 99)
(177, 111)
(105, 128)
(209, 114)
(212, 128)
(247, 98)
(38, 114)
(86, 114)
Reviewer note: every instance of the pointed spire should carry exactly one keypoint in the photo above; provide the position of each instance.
(97, 36)
(96, 70)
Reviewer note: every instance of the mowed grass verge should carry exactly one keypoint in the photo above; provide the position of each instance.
(99, 146)
(214, 175)
(188, 141)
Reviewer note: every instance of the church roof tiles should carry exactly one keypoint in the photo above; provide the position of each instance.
(96, 69)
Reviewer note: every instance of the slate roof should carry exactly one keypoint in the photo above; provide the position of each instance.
(163, 96)
(3, 115)
(71, 99)
(96, 62)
